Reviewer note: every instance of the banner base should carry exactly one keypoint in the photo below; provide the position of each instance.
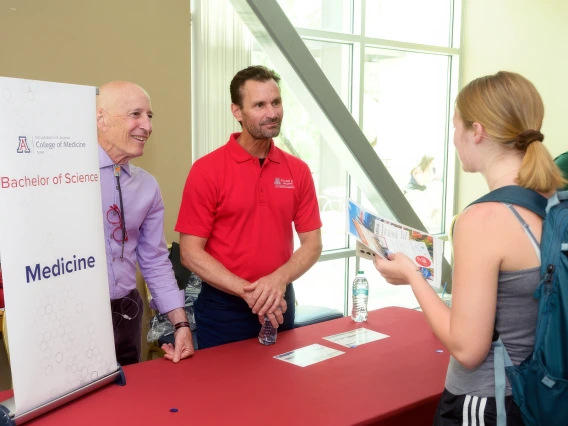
(8, 407)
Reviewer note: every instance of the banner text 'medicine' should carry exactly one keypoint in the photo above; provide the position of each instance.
(60, 267)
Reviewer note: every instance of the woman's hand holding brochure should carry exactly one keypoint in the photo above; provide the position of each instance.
(398, 269)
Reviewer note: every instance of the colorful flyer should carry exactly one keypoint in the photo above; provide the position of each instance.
(376, 235)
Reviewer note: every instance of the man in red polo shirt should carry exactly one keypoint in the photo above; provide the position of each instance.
(236, 216)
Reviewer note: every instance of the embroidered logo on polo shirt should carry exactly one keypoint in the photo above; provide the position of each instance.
(284, 183)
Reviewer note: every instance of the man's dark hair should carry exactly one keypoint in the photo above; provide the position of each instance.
(254, 72)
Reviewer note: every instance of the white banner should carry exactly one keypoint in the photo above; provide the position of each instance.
(51, 240)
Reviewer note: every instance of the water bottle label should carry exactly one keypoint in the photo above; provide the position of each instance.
(360, 292)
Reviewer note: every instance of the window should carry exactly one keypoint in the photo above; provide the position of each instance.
(400, 95)
(323, 285)
(414, 21)
(405, 113)
(394, 64)
(329, 15)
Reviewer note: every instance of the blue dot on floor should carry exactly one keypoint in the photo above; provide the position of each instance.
(174, 410)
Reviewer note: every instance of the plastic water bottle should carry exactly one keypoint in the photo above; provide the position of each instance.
(267, 335)
(360, 296)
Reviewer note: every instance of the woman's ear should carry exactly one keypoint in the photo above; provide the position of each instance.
(478, 132)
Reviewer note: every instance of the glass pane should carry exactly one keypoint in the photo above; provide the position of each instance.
(323, 285)
(300, 137)
(330, 15)
(336, 62)
(405, 120)
(381, 293)
(413, 21)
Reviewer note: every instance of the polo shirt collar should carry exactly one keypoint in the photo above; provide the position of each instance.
(240, 155)
(105, 161)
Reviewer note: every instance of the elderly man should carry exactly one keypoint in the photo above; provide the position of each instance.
(133, 214)
(236, 216)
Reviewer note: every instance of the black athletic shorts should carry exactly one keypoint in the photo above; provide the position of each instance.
(466, 410)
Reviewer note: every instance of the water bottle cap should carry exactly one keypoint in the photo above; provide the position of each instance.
(360, 272)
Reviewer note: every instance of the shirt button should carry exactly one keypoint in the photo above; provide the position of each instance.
(261, 189)
(113, 259)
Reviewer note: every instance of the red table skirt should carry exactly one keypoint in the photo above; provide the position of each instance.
(394, 381)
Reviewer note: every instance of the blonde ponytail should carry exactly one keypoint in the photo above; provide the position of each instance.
(511, 111)
(538, 171)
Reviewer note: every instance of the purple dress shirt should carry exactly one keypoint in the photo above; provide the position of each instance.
(146, 243)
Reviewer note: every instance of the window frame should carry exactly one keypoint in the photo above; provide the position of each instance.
(359, 42)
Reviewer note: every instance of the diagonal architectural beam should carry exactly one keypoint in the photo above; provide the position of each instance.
(281, 42)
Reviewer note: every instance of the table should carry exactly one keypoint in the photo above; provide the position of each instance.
(394, 381)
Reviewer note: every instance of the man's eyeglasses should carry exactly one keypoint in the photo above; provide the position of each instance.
(115, 218)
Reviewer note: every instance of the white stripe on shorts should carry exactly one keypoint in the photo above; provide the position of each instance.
(482, 403)
(465, 412)
(473, 410)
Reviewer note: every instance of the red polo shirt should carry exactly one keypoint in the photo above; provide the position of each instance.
(245, 211)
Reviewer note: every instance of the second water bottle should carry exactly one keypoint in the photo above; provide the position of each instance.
(267, 335)
(360, 297)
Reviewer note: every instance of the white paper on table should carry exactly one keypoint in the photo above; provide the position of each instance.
(356, 337)
(309, 355)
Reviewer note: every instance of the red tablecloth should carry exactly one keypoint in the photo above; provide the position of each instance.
(394, 381)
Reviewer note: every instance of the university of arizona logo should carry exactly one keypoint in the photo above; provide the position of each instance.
(284, 183)
(23, 147)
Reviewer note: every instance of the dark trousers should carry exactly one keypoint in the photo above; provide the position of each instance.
(223, 318)
(127, 326)
(459, 410)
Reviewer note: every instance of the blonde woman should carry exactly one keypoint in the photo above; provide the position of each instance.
(497, 125)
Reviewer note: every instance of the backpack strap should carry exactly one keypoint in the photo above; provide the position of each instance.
(500, 356)
(518, 196)
(524, 197)
(536, 203)
(526, 228)
(501, 360)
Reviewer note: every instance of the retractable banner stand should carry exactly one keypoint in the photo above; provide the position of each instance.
(52, 242)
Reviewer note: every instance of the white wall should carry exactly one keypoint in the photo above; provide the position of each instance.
(524, 36)
(92, 42)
